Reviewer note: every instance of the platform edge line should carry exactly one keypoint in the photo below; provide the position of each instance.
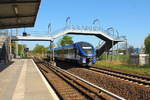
(46, 83)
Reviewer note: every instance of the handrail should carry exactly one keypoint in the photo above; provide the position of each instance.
(92, 28)
(100, 44)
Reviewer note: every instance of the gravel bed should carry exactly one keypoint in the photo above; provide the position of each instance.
(122, 88)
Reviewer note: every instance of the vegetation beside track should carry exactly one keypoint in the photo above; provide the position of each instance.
(116, 65)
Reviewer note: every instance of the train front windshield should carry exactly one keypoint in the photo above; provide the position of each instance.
(87, 48)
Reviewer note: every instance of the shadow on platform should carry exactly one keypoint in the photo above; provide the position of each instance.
(3, 66)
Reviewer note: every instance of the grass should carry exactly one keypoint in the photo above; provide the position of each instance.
(124, 67)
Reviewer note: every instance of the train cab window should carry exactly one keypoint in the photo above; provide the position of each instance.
(87, 48)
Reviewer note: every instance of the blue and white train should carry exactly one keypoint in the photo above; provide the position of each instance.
(82, 53)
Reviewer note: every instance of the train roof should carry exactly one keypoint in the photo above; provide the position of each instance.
(82, 42)
(71, 45)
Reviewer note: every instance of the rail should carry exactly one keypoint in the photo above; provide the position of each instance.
(95, 86)
(126, 76)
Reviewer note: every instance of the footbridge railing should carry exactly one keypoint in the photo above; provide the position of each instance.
(85, 29)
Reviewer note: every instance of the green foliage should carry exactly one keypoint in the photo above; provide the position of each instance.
(121, 58)
(13, 47)
(126, 68)
(52, 45)
(40, 49)
(21, 49)
(66, 40)
(131, 50)
(147, 44)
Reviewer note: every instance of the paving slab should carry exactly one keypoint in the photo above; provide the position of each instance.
(22, 80)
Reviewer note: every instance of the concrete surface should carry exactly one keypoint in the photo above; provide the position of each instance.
(22, 80)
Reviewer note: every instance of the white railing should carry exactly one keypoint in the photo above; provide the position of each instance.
(100, 44)
(87, 29)
(92, 28)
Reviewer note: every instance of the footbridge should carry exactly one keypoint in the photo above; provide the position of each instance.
(87, 30)
(109, 39)
(31, 38)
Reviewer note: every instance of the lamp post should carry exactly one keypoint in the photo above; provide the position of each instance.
(126, 46)
(10, 50)
(51, 44)
(16, 44)
(49, 28)
(96, 23)
(68, 21)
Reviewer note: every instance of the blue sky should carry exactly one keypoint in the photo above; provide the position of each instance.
(130, 17)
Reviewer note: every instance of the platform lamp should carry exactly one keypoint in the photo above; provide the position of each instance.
(24, 32)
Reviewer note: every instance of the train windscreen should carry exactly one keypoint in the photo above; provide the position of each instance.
(87, 48)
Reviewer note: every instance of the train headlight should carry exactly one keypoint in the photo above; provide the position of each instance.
(94, 60)
(89, 54)
(83, 60)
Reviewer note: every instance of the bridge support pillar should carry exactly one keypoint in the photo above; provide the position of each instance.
(52, 53)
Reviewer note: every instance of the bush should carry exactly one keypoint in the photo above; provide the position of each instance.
(120, 58)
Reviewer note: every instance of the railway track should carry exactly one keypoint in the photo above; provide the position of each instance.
(125, 76)
(71, 87)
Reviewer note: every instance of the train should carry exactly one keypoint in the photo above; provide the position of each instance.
(82, 53)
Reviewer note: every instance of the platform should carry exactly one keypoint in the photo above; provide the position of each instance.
(21, 80)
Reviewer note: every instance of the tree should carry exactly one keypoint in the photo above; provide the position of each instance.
(40, 49)
(66, 40)
(131, 50)
(13, 48)
(147, 44)
(21, 49)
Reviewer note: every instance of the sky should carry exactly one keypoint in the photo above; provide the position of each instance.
(130, 17)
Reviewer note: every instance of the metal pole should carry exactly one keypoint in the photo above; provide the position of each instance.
(126, 47)
(53, 51)
(49, 28)
(10, 45)
(68, 21)
(112, 49)
(50, 50)
(106, 53)
(117, 45)
(16, 44)
(112, 45)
